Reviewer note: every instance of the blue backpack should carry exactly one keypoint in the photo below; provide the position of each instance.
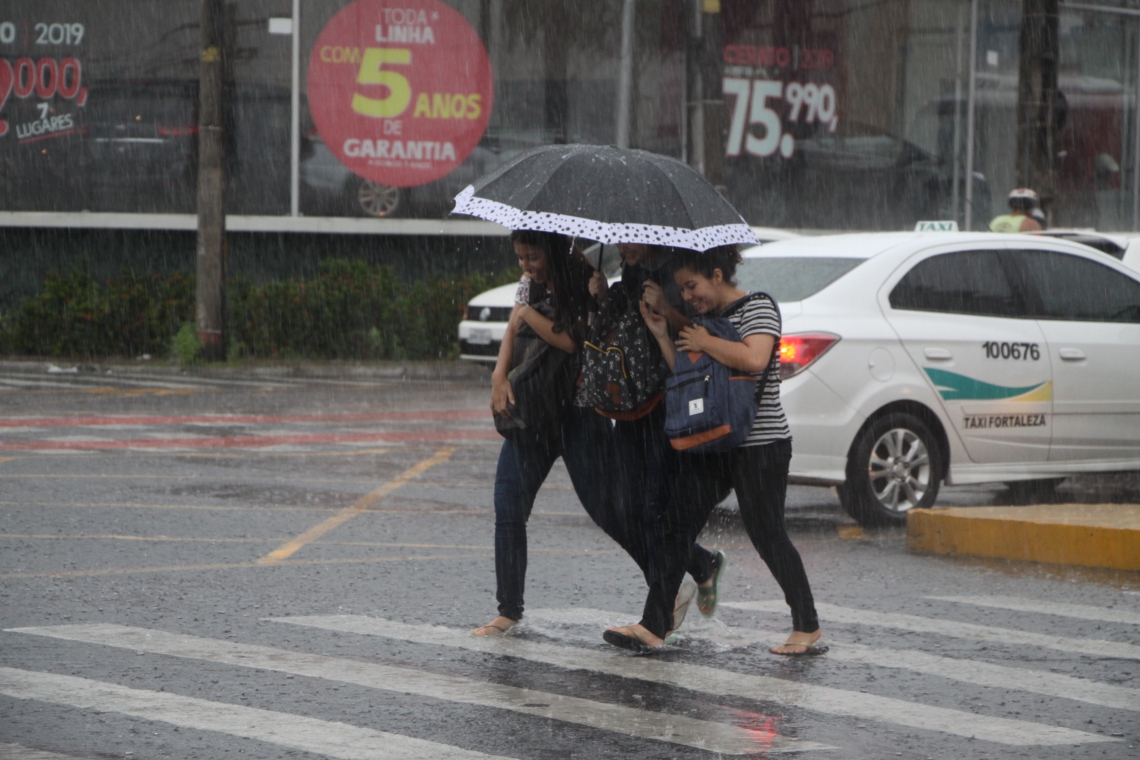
(710, 407)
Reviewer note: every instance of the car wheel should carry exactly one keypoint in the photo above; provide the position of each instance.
(1033, 491)
(896, 466)
(379, 200)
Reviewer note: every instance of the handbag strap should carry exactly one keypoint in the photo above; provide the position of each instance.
(737, 304)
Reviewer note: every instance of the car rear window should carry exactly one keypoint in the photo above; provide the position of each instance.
(792, 278)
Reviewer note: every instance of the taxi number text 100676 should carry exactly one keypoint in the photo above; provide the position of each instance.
(1022, 351)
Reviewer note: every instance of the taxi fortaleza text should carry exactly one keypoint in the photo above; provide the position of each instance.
(1004, 420)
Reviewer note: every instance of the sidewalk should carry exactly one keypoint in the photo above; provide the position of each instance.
(1087, 535)
(439, 371)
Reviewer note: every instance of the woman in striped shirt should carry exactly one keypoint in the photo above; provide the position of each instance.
(757, 469)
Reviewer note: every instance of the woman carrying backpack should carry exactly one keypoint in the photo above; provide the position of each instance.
(757, 469)
(553, 304)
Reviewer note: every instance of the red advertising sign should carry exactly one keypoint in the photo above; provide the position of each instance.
(41, 79)
(400, 90)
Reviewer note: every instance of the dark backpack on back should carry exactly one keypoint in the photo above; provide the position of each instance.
(710, 407)
(623, 371)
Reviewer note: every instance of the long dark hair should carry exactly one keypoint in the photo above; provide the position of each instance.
(569, 279)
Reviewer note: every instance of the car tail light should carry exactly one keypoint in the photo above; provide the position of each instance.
(798, 351)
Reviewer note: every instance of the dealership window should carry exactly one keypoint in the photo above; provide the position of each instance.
(101, 106)
(837, 114)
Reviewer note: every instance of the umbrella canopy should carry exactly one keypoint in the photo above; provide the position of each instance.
(609, 194)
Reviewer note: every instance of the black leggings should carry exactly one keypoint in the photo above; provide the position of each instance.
(759, 474)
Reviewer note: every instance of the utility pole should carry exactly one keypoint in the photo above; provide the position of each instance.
(211, 263)
(704, 89)
(625, 77)
(1037, 100)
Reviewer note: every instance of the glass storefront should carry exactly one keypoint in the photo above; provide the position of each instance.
(837, 114)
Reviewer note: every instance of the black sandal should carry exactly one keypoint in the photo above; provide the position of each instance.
(625, 641)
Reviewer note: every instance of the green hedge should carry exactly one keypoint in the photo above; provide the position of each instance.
(347, 310)
(77, 316)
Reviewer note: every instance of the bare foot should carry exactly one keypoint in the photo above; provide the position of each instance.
(800, 643)
(635, 637)
(496, 627)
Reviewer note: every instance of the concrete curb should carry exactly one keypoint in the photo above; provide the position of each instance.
(1086, 535)
(439, 371)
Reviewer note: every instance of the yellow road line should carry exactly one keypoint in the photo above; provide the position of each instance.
(286, 563)
(6, 459)
(287, 549)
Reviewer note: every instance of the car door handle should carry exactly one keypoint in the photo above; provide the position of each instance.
(937, 354)
(1072, 354)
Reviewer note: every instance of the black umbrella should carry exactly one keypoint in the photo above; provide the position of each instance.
(609, 194)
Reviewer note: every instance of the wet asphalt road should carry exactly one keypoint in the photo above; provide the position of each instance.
(266, 568)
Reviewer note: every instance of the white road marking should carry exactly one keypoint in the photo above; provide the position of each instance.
(1080, 611)
(677, 729)
(16, 752)
(321, 737)
(954, 629)
(718, 682)
(964, 671)
(14, 383)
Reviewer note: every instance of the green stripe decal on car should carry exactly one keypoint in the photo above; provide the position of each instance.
(954, 387)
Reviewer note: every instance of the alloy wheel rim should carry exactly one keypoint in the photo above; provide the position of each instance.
(899, 470)
(377, 199)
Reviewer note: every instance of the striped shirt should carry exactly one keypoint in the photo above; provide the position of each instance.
(758, 316)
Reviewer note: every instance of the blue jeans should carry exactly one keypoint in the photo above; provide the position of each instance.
(586, 446)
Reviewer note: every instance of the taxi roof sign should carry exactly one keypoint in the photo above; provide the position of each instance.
(942, 226)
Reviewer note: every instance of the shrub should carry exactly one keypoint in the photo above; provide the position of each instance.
(347, 310)
(75, 315)
(187, 345)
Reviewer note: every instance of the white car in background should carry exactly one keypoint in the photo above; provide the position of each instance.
(481, 332)
(913, 359)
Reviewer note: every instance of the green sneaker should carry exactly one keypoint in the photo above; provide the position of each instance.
(706, 597)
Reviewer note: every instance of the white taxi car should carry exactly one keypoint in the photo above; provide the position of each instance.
(487, 313)
(913, 359)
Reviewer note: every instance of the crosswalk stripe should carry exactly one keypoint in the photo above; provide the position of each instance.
(1061, 609)
(954, 629)
(321, 737)
(676, 729)
(702, 678)
(964, 671)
